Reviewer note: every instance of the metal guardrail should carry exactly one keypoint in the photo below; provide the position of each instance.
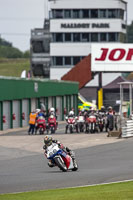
(127, 130)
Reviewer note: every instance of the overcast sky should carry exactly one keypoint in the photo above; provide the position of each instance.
(18, 17)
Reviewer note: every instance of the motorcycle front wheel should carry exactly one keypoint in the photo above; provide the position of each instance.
(52, 130)
(60, 163)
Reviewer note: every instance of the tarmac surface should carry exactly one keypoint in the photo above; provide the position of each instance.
(21, 139)
(23, 166)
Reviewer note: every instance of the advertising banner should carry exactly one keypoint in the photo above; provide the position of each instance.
(106, 57)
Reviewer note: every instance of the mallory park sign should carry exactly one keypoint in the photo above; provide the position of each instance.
(85, 25)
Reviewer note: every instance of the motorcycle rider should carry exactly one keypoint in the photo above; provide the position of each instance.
(48, 140)
(71, 114)
(53, 114)
(41, 117)
(102, 111)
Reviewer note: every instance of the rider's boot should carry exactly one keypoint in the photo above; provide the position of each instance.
(51, 164)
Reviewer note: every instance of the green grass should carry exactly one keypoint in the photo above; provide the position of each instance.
(116, 191)
(13, 67)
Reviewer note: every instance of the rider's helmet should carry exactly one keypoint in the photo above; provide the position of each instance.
(52, 109)
(102, 108)
(48, 140)
(110, 108)
(37, 110)
(71, 113)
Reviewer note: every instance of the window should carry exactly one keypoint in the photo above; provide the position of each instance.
(94, 13)
(112, 37)
(112, 13)
(67, 13)
(94, 37)
(103, 37)
(103, 13)
(121, 14)
(37, 46)
(67, 60)
(85, 37)
(76, 59)
(76, 13)
(59, 60)
(76, 37)
(59, 37)
(85, 13)
(67, 37)
(58, 14)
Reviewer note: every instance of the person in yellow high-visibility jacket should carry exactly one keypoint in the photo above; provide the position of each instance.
(32, 122)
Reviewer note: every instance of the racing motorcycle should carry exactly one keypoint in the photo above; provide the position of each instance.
(60, 158)
(91, 124)
(101, 123)
(71, 124)
(52, 124)
(40, 125)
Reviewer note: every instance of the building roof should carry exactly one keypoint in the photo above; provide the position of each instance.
(115, 83)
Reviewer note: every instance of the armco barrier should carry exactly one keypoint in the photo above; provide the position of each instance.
(127, 130)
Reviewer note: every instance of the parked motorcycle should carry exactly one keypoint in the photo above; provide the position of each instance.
(71, 124)
(40, 125)
(101, 123)
(91, 126)
(52, 124)
(60, 158)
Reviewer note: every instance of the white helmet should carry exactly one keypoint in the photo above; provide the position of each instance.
(37, 110)
(71, 113)
(52, 110)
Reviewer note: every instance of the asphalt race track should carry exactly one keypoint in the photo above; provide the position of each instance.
(98, 164)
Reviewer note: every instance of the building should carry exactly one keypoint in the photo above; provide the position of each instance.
(75, 24)
(40, 51)
(20, 96)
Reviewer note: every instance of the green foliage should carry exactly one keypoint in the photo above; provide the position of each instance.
(5, 43)
(8, 51)
(26, 54)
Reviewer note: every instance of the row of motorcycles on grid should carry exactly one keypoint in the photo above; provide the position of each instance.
(91, 123)
(88, 123)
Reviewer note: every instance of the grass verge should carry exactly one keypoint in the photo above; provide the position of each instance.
(115, 191)
(13, 67)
